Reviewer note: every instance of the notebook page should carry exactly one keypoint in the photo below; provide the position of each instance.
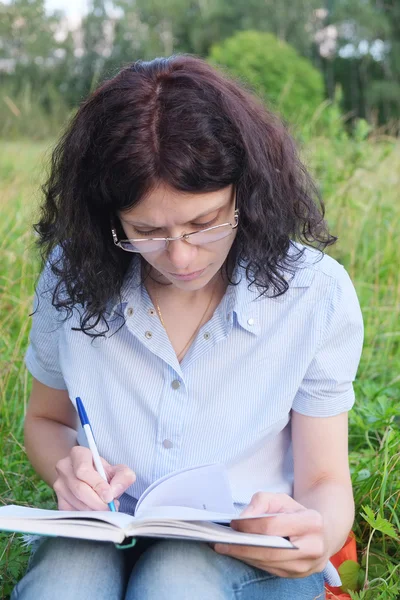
(25, 514)
(53, 527)
(206, 488)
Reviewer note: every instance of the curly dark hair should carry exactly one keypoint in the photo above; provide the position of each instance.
(179, 121)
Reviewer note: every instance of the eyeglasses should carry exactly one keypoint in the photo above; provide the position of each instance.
(197, 238)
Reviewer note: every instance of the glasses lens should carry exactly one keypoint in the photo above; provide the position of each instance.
(212, 235)
(143, 246)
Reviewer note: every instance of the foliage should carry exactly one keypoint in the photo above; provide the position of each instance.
(273, 69)
(35, 114)
(40, 50)
(366, 62)
(26, 31)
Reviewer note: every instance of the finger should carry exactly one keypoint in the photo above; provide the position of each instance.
(309, 553)
(252, 553)
(63, 493)
(269, 558)
(122, 477)
(80, 490)
(64, 505)
(268, 502)
(95, 503)
(290, 525)
(84, 470)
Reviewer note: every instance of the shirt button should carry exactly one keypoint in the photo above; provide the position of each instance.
(148, 334)
(129, 312)
(206, 336)
(152, 312)
(176, 384)
(250, 321)
(167, 444)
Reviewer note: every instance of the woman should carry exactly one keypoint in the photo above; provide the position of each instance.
(178, 301)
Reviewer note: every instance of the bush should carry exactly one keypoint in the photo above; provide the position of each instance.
(272, 69)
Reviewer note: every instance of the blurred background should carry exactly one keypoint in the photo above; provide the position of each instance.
(331, 70)
(53, 53)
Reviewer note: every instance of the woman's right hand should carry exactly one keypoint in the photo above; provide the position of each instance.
(80, 487)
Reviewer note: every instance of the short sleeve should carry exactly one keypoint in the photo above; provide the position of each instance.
(42, 356)
(327, 388)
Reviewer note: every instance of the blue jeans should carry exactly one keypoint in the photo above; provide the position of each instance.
(69, 569)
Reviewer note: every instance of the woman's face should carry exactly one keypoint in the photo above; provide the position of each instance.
(169, 213)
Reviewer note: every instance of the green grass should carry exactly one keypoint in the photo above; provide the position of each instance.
(360, 181)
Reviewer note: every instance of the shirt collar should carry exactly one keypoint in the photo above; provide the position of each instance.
(244, 299)
(131, 287)
(243, 302)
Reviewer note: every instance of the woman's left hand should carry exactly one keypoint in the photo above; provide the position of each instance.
(303, 526)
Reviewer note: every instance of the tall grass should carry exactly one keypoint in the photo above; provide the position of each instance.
(38, 114)
(360, 180)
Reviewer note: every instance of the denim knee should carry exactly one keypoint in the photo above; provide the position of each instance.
(69, 569)
(176, 569)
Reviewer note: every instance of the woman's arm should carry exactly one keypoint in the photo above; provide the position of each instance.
(50, 429)
(321, 473)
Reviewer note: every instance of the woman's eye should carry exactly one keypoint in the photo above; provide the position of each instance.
(199, 225)
(204, 225)
(151, 232)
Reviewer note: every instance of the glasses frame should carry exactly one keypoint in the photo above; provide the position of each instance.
(167, 240)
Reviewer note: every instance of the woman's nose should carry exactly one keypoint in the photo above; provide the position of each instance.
(181, 254)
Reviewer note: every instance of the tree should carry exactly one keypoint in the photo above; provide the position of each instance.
(365, 62)
(274, 70)
(26, 32)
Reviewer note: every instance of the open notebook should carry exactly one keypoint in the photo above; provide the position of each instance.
(193, 503)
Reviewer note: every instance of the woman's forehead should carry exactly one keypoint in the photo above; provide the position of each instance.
(164, 204)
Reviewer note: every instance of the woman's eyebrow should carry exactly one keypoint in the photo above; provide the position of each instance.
(142, 224)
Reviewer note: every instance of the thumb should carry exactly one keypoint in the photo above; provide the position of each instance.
(120, 478)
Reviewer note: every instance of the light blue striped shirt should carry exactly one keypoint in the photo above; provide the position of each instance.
(230, 399)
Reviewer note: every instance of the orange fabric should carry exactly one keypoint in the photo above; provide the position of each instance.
(347, 552)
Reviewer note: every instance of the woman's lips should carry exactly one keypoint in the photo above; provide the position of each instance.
(187, 276)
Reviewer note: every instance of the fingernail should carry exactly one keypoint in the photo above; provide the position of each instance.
(247, 511)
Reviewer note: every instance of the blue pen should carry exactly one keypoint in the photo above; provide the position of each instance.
(92, 444)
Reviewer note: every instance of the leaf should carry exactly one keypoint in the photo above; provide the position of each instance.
(379, 523)
(378, 566)
(369, 517)
(356, 595)
(363, 474)
(348, 572)
(361, 579)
